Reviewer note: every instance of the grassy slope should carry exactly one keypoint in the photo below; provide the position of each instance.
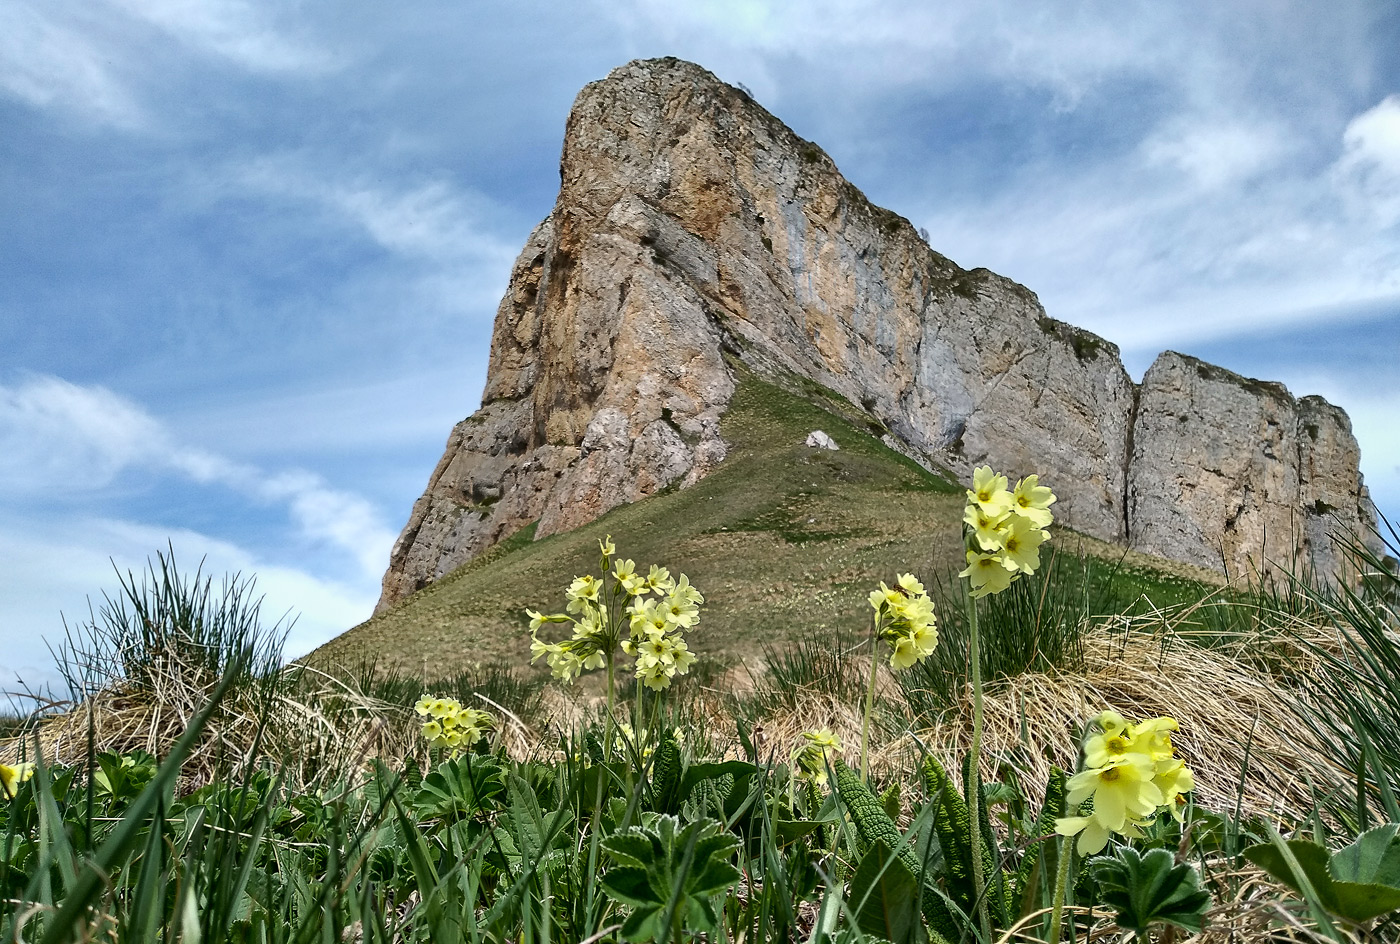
(782, 539)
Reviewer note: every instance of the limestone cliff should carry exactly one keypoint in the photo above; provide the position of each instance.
(691, 223)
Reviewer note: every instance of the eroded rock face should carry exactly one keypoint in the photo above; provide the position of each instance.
(690, 220)
(1236, 475)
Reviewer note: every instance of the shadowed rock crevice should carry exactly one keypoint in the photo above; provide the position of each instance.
(690, 222)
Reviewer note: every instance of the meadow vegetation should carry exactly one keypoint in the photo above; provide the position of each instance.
(823, 732)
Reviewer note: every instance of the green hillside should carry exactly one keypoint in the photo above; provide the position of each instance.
(784, 541)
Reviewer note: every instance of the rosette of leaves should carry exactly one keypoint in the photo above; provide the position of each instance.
(1151, 889)
(667, 875)
(459, 788)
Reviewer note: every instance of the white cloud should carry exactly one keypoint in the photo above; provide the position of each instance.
(1368, 172)
(1215, 154)
(58, 438)
(336, 517)
(53, 431)
(59, 567)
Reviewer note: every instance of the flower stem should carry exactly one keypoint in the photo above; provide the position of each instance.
(1061, 880)
(608, 726)
(974, 778)
(869, 699)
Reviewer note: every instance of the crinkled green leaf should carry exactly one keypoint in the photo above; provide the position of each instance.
(629, 885)
(1152, 889)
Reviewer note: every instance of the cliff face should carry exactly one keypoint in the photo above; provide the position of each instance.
(691, 222)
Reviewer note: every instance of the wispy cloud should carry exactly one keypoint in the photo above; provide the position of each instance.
(240, 32)
(98, 59)
(57, 438)
(46, 62)
(433, 220)
(1213, 154)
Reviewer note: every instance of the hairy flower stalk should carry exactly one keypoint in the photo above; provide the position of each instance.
(1003, 531)
(904, 619)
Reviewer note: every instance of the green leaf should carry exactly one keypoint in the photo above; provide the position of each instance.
(666, 774)
(459, 788)
(1151, 889)
(628, 884)
(790, 830)
(633, 848)
(890, 801)
(1354, 901)
(697, 774)
(952, 823)
(885, 895)
(1373, 858)
(1037, 868)
(666, 870)
(644, 924)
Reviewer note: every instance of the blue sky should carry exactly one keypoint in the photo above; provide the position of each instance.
(251, 251)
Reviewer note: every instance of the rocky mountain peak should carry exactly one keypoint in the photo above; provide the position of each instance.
(692, 226)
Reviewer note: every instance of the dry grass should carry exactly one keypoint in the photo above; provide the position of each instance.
(1238, 735)
(315, 727)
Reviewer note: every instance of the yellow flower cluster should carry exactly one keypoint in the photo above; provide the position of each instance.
(904, 619)
(814, 755)
(1131, 774)
(450, 725)
(1004, 529)
(12, 777)
(658, 609)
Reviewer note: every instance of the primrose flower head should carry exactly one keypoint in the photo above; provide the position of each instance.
(12, 777)
(814, 753)
(450, 725)
(989, 531)
(1154, 737)
(582, 592)
(904, 619)
(631, 582)
(1004, 528)
(1122, 792)
(1021, 546)
(1130, 775)
(911, 585)
(656, 676)
(643, 614)
(659, 580)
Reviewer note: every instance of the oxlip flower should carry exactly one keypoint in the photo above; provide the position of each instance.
(12, 777)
